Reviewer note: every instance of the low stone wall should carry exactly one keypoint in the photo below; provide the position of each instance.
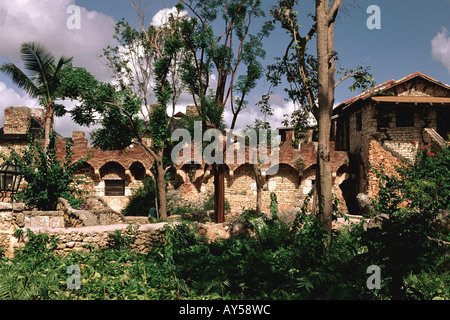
(87, 238)
(14, 216)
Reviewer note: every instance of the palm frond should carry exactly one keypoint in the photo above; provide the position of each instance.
(56, 70)
(36, 58)
(61, 63)
(20, 79)
(38, 61)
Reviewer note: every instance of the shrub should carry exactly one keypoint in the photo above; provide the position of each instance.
(209, 203)
(142, 200)
(403, 245)
(122, 239)
(47, 178)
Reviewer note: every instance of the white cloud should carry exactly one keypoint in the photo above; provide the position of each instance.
(162, 16)
(46, 21)
(9, 97)
(440, 48)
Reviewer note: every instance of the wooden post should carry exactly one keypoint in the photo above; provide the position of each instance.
(219, 194)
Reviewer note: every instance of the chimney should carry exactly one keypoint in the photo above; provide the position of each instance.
(17, 120)
(191, 111)
(79, 139)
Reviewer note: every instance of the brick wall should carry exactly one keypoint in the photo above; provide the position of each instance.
(293, 181)
(379, 123)
(17, 120)
(379, 158)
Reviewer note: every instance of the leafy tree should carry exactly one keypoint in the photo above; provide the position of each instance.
(144, 66)
(311, 82)
(426, 184)
(232, 55)
(42, 79)
(47, 177)
(256, 126)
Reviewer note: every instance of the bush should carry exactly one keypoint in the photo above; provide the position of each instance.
(122, 239)
(47, 178)
(209, 203)
(404, 245)
(142, 200)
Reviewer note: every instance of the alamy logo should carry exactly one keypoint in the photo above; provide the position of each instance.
(229, 148)
(74, 21)
(74, 281)
(374, 21)
(374, 281)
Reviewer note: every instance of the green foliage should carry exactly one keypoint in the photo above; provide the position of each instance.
(427, 182)
(122, 239)
(142, 200)
(273, 265)
(405, 244)
(117, 110)
(47, 178)
(209, 203)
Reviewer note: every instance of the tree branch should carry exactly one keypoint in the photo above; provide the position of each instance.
(332, 13)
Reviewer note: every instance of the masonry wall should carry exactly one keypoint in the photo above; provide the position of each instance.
(291, 184)
(13, 217)
(17, 120)
(379, 138)
(405, 141)
(379, 158)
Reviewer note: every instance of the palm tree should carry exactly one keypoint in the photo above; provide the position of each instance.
(42, 80)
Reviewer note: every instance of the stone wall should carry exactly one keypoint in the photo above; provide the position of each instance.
(291, 184)
(13, 216)
(377, 121)
(87, 238)
(8, 225)
(17, 120)
(378, 158)
(405, 141)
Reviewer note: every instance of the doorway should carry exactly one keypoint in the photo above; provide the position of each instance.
(443, 121)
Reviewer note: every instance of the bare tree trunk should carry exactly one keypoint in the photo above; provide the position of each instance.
(161, 188)
(325, 80)
(219, 193)
(48, 123)
(259, 186)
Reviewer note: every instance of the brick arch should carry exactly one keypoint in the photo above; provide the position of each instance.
(137, 170)
(238, 172)
(112, 170)
(86, 168)
(308, 171)
(286, 170)
(343, 172)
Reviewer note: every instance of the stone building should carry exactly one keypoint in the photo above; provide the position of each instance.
(113, 175)
(110, 174)
(390, 124)
(383, 126)
(291, 182)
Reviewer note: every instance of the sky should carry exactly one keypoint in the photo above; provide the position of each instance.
(411, 36)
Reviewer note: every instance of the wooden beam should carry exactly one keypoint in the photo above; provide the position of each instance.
(409, 99)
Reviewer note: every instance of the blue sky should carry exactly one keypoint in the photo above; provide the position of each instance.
(414, 36)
